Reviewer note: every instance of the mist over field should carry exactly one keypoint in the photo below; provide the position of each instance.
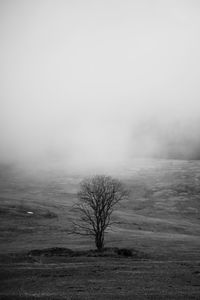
(92, 87)
(97, 83)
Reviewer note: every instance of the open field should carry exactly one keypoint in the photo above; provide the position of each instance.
(161, 219)
(101, 278)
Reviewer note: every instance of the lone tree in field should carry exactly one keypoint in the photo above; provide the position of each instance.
(98, 197)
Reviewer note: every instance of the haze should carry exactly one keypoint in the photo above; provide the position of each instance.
(97, 83)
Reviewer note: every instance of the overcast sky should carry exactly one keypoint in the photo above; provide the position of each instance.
(98, 82)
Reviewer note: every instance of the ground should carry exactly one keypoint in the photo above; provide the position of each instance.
(101, 278)
(161, 220)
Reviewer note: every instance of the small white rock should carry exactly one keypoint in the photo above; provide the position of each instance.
(30, 212)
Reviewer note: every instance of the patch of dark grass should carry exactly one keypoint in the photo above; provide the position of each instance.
(106, 252)
(29, 297)
(56, 251)
(124, 252)
(21, 211)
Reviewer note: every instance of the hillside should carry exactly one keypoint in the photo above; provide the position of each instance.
(161, 216)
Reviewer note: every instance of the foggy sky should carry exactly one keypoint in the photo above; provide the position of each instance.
(99, 82)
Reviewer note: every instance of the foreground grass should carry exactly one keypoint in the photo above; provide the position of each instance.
(160, 219)
(102, 279)
(66, 274)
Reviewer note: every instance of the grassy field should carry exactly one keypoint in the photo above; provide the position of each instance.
(161, 219)
(101, 278)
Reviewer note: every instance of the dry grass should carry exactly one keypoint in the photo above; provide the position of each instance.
(161, 219)
(101, 278)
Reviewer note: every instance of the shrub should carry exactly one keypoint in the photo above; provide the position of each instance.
(124, 252)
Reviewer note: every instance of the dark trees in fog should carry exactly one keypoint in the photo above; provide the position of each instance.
(97, 197)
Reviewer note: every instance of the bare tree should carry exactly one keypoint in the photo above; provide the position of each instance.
(98, 196)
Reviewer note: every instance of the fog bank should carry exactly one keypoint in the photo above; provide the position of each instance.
(97, 83)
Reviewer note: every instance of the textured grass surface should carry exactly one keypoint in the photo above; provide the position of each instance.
(101, 278)
(161, 218)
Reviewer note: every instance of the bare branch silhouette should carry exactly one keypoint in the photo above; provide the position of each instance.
(98, 197)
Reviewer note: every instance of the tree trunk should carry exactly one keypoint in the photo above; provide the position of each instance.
(99, 241)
